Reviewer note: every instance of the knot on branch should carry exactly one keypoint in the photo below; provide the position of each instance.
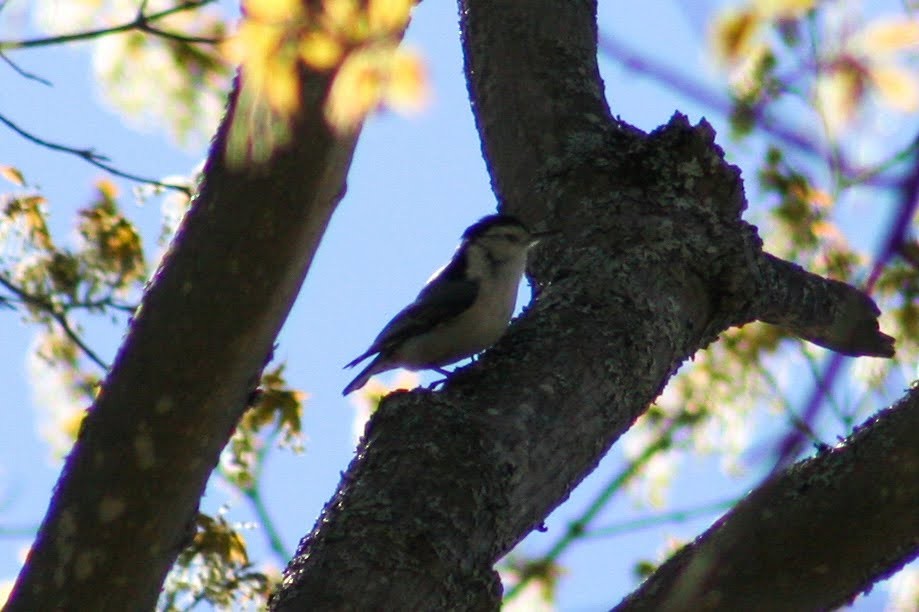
(685, 202)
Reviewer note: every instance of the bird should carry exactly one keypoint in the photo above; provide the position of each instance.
(462, 309)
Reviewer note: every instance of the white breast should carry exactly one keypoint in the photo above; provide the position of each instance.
(475, 329)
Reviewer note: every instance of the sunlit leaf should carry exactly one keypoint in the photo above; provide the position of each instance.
(356, 90)
(273, 11)
(839, 94)
(783, 9)
(345, 17)
(408, 84)
(389, 16)
(896, 86)
(107, 189)
(890, 36)
(13, 175)
(734, 34)
(320, 50)
(30, 211)
(282, 84)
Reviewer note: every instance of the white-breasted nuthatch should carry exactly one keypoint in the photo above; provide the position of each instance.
(463, 308)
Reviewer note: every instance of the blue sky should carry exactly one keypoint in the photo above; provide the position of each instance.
(415, 184)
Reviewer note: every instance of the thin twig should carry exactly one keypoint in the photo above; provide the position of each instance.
(60, 318)
(92, 157)
(138, 23)
(253, 494)
(272, 535)
(577, 528)
(677, 80)
(663, 518)
(790, 445)
(28, 75)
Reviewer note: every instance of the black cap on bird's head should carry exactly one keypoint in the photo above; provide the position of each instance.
(491, 221)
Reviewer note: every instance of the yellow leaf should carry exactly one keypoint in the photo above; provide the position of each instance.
(838, 95)
(735, 34)
(355, 91)
(343, 16)
(783, 9)
(320, 50)
(107, 188)
(897, 87)
(273, 11)
(890, 36)
(407, 89)
(819, 198)
(282, 85)
(13, 175)
(389, 16)
(826, 229)
(70, 425)
(254, 43)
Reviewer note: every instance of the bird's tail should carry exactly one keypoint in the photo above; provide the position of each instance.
(361, 379)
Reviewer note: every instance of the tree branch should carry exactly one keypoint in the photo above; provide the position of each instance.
(60, 318)
(92, 157)
(130, 488)
(812, 538)
(140, 22)
(29, 75)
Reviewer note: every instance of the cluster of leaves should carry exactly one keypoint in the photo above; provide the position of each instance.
(275, 414)
(842, 65)
(355, 43)
(160, 62)
(50, 283)
(762, 41)
(102, 276)
(215, 568)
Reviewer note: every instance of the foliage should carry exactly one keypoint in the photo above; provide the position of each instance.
(356, 43)
(816, 59)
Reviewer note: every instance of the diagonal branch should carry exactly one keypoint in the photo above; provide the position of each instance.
(801, 541)
(92, 157)
(60, 318)
(23, 73)
(140, 22)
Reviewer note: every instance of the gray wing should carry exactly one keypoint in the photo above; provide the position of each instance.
(443, 298)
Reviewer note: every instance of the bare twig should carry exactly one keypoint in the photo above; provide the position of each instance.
(790, 445)
(663, 518)
(677, 80)
(140, 22)
(29, 75)
(253, 494)
(92, 157)
(577, 528)
(60, 318)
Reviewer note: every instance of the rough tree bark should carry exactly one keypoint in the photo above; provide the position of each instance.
(654, 261)
(127, 497)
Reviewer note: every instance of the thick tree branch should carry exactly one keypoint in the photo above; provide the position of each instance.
(812, 538)
(826, 312)
(129, 491)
